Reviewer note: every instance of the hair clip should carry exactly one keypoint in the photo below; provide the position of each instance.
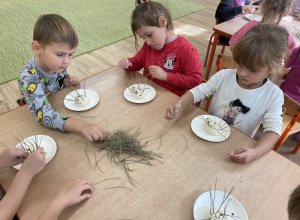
(139, 2)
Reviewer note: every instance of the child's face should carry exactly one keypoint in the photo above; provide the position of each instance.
(154, 36)
(251, 79)
(54, 58)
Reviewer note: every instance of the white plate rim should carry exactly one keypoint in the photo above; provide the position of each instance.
(288, 17)
(72, 106)
(49, 150)
(197, 126)
(248, 16)
(204, 201)
(151, 93)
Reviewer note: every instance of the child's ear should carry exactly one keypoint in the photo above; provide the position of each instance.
(35, 47)
(162, 20)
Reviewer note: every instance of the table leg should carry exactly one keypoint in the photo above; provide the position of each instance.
(211, 57)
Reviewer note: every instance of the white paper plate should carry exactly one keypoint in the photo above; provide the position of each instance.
(287, 18)
(70, 104)
(253, 17)
(197, 126)
(202, 206)
(46, 142)
(150, 94)
(259, 17)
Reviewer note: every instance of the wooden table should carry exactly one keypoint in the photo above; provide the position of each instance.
(163, 191)
(228, 28)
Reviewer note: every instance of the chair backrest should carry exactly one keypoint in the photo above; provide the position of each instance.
(225, 62)
(290, 122)
(290, 106)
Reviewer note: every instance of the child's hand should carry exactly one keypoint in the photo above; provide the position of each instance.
(74, 81)
(172, 111)
(12, 156)
(35, 162)
(92, 132)
(72, 193)
(243, 155)
(158, 73)
(250, 8)
(124, 63)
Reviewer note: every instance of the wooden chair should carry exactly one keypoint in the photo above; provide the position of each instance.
(21, 102)
(291, 122)
(210, 42)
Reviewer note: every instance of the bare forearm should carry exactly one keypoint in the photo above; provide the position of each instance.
(266, 143)
(73, 125)
(186, 99)
(52, 211)
(14, 196)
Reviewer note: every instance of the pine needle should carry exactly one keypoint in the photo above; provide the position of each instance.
(126, 148)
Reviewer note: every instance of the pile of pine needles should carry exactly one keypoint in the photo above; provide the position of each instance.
(124, 149)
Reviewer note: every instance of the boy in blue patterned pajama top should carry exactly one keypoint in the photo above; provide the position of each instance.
(54, 42)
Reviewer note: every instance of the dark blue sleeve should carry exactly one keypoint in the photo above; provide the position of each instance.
(225, 11)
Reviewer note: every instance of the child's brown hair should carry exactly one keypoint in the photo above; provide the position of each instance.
(53, 28)
(294, 204)
(256, 48)
(274, 8)
(147, 14)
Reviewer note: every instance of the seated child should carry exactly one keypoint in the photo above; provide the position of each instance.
(228, 9)
(273, 11)
(257, 97)
(295, 10)
(294, 204)
(169, 60)
(54, 42)
(31, 166)
(291, 84)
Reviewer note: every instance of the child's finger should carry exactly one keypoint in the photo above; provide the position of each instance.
(174, 110)
(101, 136)
(151, 67)
(85, 196)
(87, 187)
(238, 157)
(239, 151)
(21, 153)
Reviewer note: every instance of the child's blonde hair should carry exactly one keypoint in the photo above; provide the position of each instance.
(53, 28)
(264, 45)
(274, 8)
(294, 204)
(147, 14)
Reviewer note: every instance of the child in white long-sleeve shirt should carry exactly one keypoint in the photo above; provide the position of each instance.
(245, 96)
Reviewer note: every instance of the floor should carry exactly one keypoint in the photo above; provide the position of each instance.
(286, 148)
(197, 28)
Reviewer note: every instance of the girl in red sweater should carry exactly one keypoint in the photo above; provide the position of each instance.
(168, 59)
